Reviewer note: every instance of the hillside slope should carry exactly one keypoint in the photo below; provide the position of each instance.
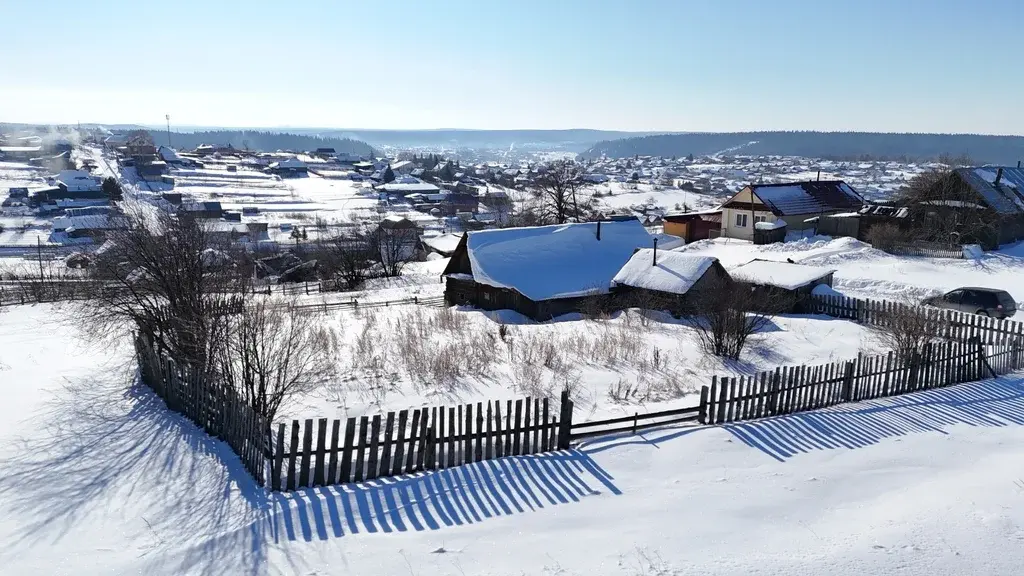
(981, 148)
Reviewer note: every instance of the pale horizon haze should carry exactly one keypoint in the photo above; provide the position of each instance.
(641, 65)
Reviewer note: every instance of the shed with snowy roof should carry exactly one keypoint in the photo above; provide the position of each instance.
(794, 203)
(656, 279)
(541, 271)
(783, 286)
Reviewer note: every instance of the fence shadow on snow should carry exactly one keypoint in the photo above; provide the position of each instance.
(466, 494)
(993, 403)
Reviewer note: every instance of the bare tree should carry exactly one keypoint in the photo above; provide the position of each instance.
(393, 247)
(273, 351)
(945, 209)
(729, 314)
(905, 330)
(165, 275)
(561, 187)
(347, 258)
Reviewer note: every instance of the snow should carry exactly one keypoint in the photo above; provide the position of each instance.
(781, 274)
(98, 478)
(973, 251)
(559, 261)
(780, 223)
(674, 272)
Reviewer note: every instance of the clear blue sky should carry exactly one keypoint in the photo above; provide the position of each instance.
(663, 65)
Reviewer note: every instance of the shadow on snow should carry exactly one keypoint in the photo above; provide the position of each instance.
(433, 500)
(998, 402)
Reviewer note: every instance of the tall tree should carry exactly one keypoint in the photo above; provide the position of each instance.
(561, 187)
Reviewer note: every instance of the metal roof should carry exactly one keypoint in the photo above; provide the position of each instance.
(1007, 197)
(808, 197)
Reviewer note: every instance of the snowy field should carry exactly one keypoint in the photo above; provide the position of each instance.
(96, 477)
(410, 356)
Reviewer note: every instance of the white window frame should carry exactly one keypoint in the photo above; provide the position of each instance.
(741, 220)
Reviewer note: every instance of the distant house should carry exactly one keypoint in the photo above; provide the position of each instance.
(793, 203)
(409, 185)
(151, 171)
(784, 285)
(206, 210)
(986, 204)
(78, 183)
(666, 280)
(693, 226)
(543, 271)
(403, 167)
(290, 168)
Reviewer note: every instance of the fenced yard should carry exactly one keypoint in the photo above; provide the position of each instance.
(321, 452)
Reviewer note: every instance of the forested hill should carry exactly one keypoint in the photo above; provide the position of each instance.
(263, 141)
(846, 145)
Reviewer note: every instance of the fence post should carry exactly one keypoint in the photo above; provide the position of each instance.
(848, 383)
(703, 417)
(983, 360)
(565, 421)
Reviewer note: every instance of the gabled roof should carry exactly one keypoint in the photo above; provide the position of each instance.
(1006, 197)
(559, 261)
(673, 272)
(786, 275)
(806, 197)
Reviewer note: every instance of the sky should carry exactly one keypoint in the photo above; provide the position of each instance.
(635, 65)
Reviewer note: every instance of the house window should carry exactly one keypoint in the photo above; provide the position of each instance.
(741, 220)
(760, 219)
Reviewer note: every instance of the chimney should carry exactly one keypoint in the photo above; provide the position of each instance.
(999, 176)
(598, 230)
(654, 261)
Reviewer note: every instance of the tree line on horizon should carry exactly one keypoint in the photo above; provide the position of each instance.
(260, 141)
(1006, 150)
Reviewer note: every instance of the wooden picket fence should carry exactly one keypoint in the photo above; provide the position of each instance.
(943, 323)
(207, 403)
(928, 250)
(800, 388)
(411, 441)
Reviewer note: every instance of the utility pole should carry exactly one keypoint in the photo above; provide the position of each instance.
(168, 118)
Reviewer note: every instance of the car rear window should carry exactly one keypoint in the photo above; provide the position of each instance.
(1006, 300)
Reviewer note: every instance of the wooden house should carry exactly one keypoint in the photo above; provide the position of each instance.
(693, 226)
(794, 203)
(665, 280)
(541, 271)
(983, 205)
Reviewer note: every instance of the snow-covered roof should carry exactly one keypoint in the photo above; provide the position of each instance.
(444, 244)
(411, 187)
(786, 275)
(169, 154)
(77, 181)
(668, 241)
(289, 163)
(559, 261)
(673, 272)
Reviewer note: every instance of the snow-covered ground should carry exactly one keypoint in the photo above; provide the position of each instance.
(96, 477)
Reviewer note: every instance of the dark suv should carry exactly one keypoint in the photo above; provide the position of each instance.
(982, 301)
